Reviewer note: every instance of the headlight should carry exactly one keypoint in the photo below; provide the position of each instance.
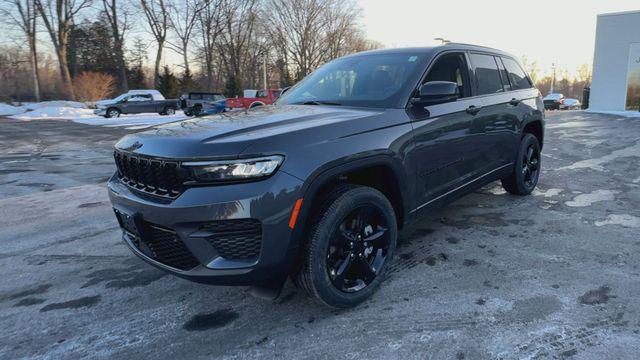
(234, 170)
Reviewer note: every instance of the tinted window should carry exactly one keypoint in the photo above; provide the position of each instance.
(486, 73)
(519, 79)
(453, 68)
(373, 80)
(504, 75)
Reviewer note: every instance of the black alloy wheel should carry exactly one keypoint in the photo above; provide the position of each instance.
(358, 249)
(526, 171)
(351, 243)
(531, 166)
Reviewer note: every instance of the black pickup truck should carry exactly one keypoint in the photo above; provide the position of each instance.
(137, 102)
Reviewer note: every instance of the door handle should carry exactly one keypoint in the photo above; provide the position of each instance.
(514, 102)
(473, 109)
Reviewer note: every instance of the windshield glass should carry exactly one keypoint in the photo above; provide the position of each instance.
(374, 80)
(121, 97)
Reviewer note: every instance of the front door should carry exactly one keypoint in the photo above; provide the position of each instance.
(445, 156)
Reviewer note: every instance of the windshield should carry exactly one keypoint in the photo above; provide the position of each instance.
(121, 97)
(374, 80)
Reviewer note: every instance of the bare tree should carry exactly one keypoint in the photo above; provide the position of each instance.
(57, 17)
(118, 17)
(22, 13)
(157, 15)
(239, 19)
(209, 22)
(184, 19)
(311, 32)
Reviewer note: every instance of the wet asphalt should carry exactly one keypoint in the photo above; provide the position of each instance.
(552, 275)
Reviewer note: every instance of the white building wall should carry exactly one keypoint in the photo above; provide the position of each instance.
(614, 34)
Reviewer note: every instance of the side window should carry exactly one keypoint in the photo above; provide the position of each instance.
(453, 68)
(504, 75)
(140, 97)
(261, 94)
(518, 77)
(486, 73)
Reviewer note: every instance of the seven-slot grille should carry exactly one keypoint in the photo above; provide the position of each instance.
(153, 176)
(235, 239)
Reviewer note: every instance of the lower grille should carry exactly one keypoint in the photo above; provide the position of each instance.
(166, 247)
(235, 239)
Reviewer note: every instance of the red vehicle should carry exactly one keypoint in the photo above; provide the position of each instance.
(263, 97)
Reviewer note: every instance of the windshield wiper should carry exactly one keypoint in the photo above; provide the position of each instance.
(316, 102)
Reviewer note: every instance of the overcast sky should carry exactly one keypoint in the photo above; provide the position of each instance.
(560, 31)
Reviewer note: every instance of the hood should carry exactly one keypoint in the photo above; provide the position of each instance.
(227, 135)
(106, 102)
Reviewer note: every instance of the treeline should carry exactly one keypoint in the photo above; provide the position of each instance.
(569, 86)
(65, 48)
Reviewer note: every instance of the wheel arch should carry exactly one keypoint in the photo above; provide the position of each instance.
(256, 103)
(389, 180)
(535, 127)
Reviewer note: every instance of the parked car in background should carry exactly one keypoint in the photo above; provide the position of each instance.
(570, 104)
(553, 101)
(263, 97)
(317, 186)
(136, 102)
(196, 103)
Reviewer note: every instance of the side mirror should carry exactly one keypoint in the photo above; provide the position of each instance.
(436, 92)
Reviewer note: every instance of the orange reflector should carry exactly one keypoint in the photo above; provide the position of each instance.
(294, 213)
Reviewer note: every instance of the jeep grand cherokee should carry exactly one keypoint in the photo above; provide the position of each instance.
(317, 186)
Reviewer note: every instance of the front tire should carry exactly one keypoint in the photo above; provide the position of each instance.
(352, 243)
(524, 177)
(112, 113)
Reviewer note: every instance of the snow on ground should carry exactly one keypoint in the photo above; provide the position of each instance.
(629, 114)
(86, 116)
(54, 112)
(132, 122)
(54, 103)
(9, 110)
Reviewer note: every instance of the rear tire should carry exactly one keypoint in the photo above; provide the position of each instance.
(352, 242)
(526, 171)
(169, 111)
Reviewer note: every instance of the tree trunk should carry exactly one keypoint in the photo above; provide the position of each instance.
(65, 76)
(156, 71)
(35, 73)
(185, 57)
(121, 65)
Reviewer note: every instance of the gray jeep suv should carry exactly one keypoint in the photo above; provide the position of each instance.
(317, 186)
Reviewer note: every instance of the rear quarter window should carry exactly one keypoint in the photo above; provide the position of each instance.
(517, 76)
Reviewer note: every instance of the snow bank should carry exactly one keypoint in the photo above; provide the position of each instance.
(628, 114)
(54, 112)
(55, 103)
(133, 122)
(10, 110)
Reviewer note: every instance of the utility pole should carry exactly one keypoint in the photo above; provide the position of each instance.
(264, 72)
(553, 77)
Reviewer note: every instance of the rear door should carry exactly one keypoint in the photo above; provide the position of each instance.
(497, 123)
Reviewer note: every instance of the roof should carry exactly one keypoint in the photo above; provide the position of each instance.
(630, 12)
(433, 49)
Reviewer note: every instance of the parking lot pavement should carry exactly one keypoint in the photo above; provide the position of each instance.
(555, 274)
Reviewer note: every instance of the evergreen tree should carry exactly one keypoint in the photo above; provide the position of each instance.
(232, 88)
(187, 83)
(136, 76)
(168, 84)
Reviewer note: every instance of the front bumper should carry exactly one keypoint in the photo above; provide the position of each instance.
(100, 112)
(269, 201)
